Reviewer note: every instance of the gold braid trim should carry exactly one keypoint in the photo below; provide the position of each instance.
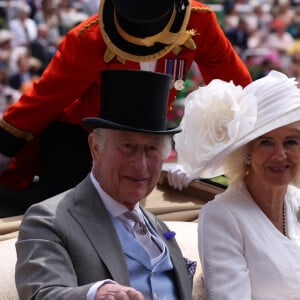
(164, 36)
(176, 50)
(108, 55)
(121, 59)
(173, 41)
(28, 136)
(202, 9)
(87, 26)
(189, 43)
(186, 40)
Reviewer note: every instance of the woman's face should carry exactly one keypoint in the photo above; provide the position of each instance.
(275, 157)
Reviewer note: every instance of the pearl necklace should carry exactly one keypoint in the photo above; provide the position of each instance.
(284, 221)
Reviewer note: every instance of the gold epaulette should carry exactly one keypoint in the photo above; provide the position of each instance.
(87, 26)
(110, 55)
(185, 40)
(202, 9)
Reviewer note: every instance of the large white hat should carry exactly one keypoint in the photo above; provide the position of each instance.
(221, 117)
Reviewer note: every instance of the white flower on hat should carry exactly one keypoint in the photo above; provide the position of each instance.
(215, 117)
(222, 117)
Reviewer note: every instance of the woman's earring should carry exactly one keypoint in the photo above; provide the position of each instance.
(248, 160)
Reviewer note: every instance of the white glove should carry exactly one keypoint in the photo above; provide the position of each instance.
(178, 177)
(4, 162)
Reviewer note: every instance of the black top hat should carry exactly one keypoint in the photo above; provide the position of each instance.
(143, 30)
(133, 100)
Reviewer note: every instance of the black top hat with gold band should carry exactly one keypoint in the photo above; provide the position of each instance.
(143, 30)
(133, 100)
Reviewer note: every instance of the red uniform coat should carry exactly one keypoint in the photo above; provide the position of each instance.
(69, 89)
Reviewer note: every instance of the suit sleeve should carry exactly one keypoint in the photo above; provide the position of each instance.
(44, 268)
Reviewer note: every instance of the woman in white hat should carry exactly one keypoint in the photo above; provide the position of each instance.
(249, 236)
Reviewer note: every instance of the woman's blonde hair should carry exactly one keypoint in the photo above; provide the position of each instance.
(235, 168)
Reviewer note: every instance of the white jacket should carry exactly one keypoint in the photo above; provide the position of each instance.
(242, 253)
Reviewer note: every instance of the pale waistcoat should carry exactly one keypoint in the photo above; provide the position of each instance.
(155, 282)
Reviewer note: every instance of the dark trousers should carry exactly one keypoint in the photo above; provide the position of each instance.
(64, 161)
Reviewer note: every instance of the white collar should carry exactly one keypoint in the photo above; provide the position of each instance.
(114, 207)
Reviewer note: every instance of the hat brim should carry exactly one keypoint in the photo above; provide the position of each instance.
(93, 123)
(214, 166)
(133, 52)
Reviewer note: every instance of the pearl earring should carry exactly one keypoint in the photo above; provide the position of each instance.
(248, 160)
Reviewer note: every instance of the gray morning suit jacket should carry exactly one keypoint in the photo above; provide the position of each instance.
(68, 242)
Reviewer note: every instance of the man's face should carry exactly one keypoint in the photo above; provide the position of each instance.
(129, 165)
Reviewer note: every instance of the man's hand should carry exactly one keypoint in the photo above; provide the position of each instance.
(178, 177)
(114, 291)
(4, 162)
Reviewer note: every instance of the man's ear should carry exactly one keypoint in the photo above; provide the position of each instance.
(94, 146)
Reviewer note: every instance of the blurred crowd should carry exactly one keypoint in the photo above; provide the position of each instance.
(265, 33)
(30, 32)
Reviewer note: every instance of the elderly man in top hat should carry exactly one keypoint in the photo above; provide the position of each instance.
(42, 132)
(83, 244)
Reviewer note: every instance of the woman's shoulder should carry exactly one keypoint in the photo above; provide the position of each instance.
(234, 193)
(233, 200)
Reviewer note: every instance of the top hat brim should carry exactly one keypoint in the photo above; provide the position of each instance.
(93, 123)
(123, 48)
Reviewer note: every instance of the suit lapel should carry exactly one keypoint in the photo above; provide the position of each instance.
(88, 209)
(94, 219)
